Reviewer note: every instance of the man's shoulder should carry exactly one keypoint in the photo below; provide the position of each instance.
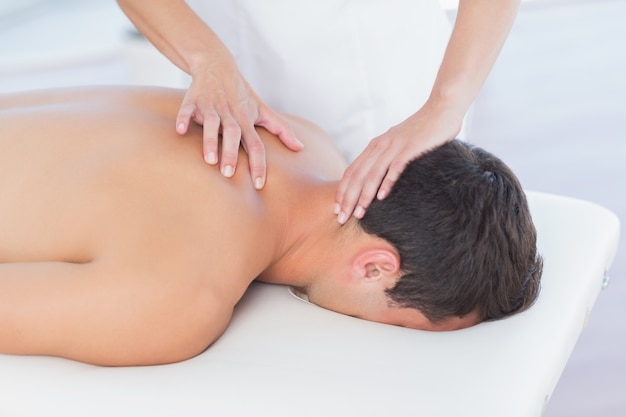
(319, 158)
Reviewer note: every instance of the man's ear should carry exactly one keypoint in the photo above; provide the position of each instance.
(373, 264)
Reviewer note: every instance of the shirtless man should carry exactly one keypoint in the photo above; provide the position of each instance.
(120, 246)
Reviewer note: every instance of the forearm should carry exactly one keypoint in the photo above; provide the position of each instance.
(479, 33)
(175, 30)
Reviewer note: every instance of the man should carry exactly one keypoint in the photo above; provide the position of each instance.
(120, 246)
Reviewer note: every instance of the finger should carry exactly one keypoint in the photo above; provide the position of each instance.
(185, 113)
(275, 124)
(360, 194)
(369, 190)
(363, 180)
(231, 137)
(256, 155)
(210, 135)
(344, 185)
(349, 189)
(392, 176)
(348, 204)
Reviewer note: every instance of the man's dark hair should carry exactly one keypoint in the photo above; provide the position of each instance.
(459, 219)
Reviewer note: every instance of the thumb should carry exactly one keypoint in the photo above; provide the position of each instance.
(275, 124)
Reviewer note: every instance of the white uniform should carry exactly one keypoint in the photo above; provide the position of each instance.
(355, 67)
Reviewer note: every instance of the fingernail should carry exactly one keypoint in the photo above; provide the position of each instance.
(342, 217)
(258, 183)
(359, 212)
(211, 158)
(180, 128)
(381, 194)
(337, 208)
(227, 171)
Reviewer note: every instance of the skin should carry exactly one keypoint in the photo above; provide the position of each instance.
(121, 246)
(221, 98)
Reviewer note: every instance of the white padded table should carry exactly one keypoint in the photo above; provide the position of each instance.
(284, 357)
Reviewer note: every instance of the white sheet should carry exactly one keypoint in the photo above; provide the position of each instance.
(284, 357)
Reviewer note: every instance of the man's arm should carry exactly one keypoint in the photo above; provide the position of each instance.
(479, 33)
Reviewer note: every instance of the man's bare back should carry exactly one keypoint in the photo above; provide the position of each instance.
(118, 243)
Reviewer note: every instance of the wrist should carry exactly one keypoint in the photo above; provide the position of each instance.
(447, 107)
(451, 97)
(206, 54)
(203, 63)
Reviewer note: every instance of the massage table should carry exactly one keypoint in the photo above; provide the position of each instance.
(282, 356)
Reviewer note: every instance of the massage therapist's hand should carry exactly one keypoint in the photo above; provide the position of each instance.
(220, 100)
(374, 172)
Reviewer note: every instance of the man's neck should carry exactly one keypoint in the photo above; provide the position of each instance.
(310, 233)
